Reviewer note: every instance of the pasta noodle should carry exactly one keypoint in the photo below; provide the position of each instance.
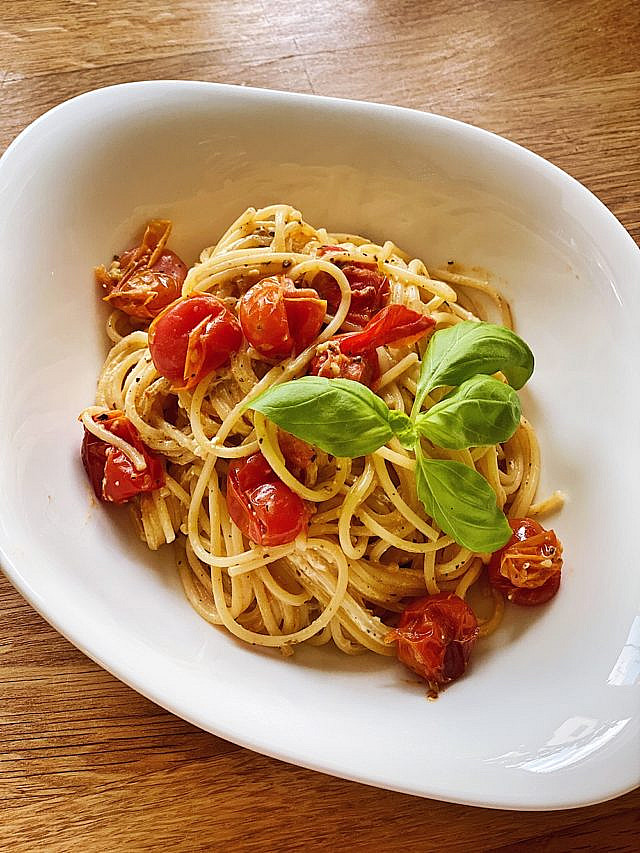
(370, 545)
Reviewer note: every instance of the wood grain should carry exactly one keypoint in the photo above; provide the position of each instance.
(87, 764)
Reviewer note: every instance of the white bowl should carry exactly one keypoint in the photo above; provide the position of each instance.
(549, 715)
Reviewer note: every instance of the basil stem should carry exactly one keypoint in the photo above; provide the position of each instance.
(462, 503)
(481, 411)
(404, 429)
(466, 349)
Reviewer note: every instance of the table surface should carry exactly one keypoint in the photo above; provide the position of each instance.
(86, 763)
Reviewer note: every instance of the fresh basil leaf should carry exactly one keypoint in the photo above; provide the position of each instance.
(339, 416)
(461, 351)
(462, 503)
(481, 411)
(403, 428)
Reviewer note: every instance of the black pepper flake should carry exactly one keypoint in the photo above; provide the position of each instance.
(286, 264)
(103, 416)
(449, 262)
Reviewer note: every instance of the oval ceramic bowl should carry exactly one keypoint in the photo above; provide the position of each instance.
(548, 716)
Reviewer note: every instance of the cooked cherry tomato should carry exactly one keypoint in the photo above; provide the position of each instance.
(192, 337)
(330, 362)
(278, 319)
(112, 474)
(435, 637)
(528, 568)
(369, 288)
(261, 505)
(148, 278)
(353, 356)
(298, 455)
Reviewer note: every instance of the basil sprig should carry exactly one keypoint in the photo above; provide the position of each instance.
(345, 418)
(481, 411)
(461, 351)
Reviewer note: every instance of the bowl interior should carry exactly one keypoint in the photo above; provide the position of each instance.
(547, 696)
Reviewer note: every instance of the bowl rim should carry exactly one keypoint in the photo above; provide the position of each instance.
(339, 103)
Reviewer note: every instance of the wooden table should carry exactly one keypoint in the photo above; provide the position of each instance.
(87, 764)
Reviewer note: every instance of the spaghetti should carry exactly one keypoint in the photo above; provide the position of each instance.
(369, 546)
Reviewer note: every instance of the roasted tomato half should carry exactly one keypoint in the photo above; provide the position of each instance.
(369, 288)
(261, 505)
(146, 279)
(113, 476)
(528, 568)
(353, 356)
(278, 319)
(192, 337)
(435, 637)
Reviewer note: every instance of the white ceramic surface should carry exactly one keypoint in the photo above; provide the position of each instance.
(549, 714)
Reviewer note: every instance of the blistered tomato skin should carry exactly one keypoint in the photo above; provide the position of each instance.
(261, 505)
(435, 637)
(369, 288)
(353, 355)
(148, 278)
(192, 337)
(528, 569)
(112, 474)
(330, 362)
(394, 325)
(298, 455)
(279, 319)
